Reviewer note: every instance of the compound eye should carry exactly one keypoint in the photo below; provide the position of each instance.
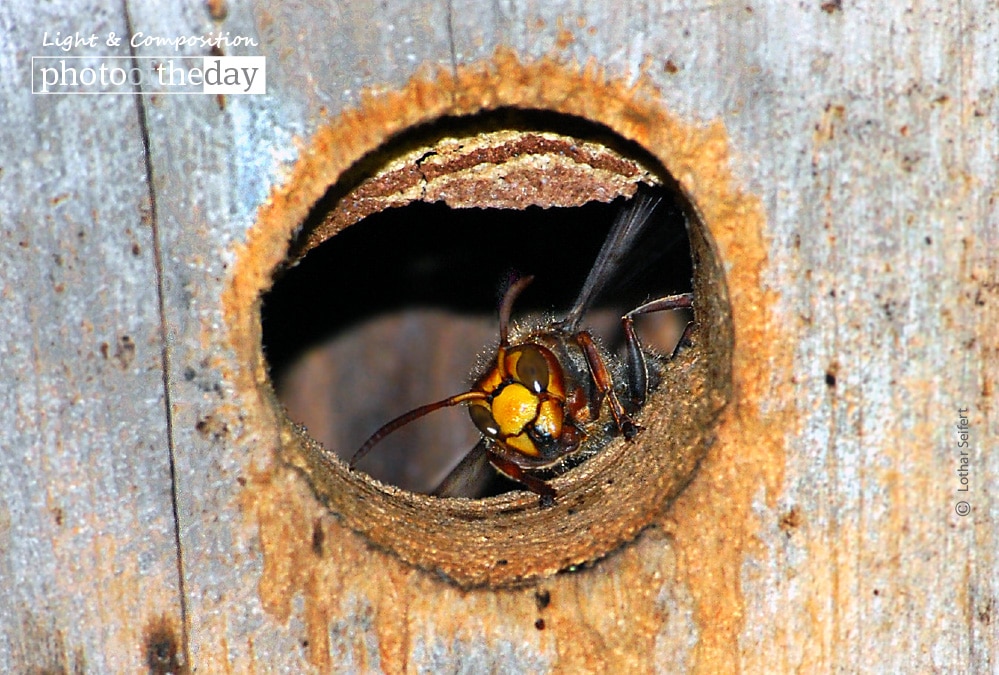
(483, 419)
(532, 369)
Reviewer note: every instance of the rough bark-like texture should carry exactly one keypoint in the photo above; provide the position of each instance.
(842, 158)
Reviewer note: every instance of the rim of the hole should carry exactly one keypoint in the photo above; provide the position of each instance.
(468, 555)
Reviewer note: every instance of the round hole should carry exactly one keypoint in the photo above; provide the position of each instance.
(387, 300)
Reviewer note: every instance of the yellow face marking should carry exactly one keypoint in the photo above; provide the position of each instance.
(490, 381)
(514, 408)
(550, 418)
(531, 393)
(523, 444)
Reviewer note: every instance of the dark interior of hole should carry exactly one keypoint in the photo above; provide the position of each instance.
(394, 266)
(461, 260)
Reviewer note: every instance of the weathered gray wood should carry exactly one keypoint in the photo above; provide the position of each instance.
(88, 549)
(212, 166)
(829, 542)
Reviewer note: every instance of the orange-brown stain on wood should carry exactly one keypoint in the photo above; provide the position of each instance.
(595, 620)
(563, 36)
(705, 537)
(714, 524)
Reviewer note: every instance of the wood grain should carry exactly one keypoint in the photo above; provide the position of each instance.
(88, 546)
(820, 532)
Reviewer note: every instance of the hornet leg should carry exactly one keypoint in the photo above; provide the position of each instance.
(638, 373)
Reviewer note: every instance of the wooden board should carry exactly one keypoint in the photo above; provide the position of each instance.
(88, 542)
(822, 530)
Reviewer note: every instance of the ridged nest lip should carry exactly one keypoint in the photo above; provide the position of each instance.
(491, 168)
